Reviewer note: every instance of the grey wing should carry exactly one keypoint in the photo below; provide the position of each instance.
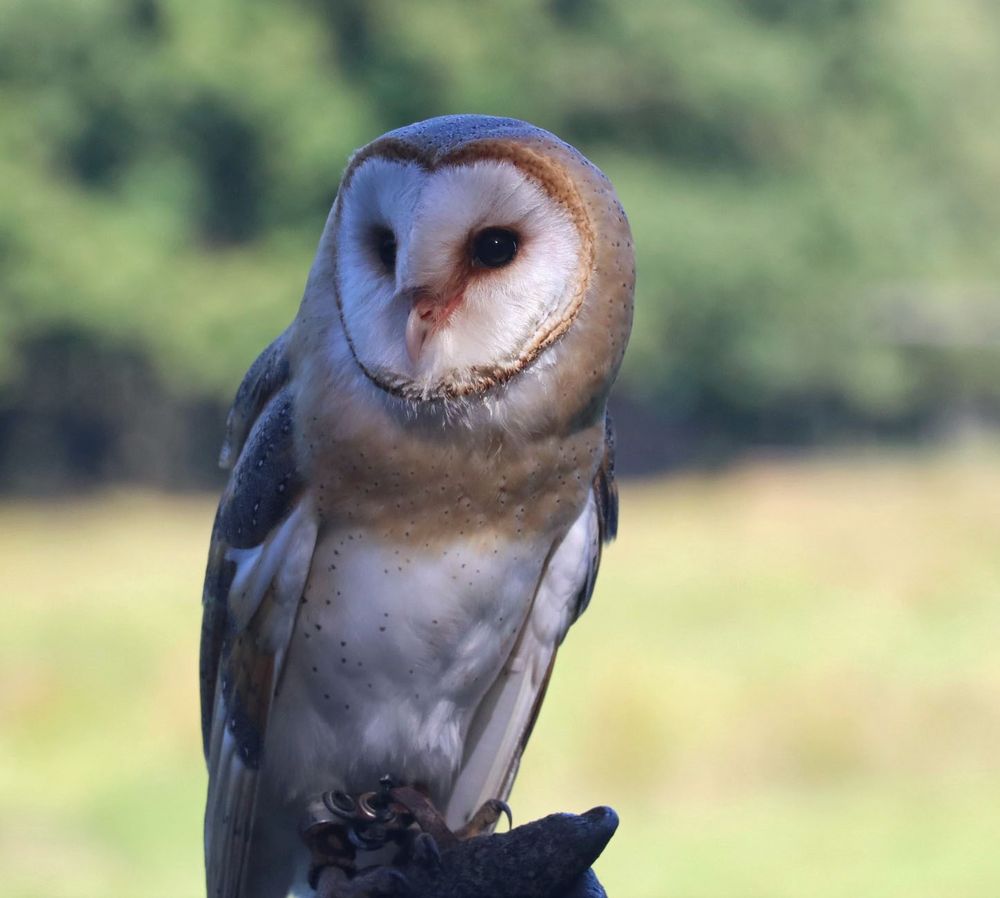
(267, 375)
(506, 716)
(261, 549)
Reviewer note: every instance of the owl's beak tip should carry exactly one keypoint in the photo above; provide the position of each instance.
(418, 328)
(429, 313)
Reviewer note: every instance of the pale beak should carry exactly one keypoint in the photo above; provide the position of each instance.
(429, 313)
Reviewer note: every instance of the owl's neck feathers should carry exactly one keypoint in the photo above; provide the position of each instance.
(508, 461)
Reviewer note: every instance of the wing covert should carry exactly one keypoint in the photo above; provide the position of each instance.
(261, 549)
(605, 490)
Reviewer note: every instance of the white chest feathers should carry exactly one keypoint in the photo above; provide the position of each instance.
(394, 648)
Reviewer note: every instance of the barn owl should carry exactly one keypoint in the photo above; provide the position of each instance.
(421, 482)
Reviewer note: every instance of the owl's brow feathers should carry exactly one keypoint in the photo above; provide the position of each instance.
(556, 183)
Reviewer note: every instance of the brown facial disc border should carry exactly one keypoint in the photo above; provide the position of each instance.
(555, 181)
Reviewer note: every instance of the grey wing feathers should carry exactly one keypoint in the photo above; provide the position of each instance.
(606, 504)
(262, 530)
(266, 377)
(268, 374)
(605, 486)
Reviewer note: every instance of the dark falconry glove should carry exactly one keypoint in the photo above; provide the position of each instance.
(548, 858)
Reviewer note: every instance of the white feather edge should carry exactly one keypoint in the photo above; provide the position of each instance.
(283, 561)
(495, 739)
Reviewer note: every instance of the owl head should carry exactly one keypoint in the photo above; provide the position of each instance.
(461, 250)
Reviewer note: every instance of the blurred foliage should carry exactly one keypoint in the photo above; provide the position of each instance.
(814, 188)
(786, 684)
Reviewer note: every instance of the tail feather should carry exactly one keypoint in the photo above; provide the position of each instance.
(229, 814)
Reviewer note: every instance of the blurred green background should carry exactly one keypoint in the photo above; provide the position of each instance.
(785, 683)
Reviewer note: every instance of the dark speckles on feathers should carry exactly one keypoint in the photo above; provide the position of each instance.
(269, 373)
(265, 478)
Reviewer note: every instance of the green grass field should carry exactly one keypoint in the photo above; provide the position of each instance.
(788, 684)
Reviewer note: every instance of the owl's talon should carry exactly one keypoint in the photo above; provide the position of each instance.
(424, 814)
(505, 808)
(425, 852)
(485, 818)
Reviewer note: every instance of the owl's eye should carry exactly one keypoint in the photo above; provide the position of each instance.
(494, 247)
(384, 243)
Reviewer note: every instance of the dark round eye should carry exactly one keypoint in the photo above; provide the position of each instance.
(384, 242)
(494, 247)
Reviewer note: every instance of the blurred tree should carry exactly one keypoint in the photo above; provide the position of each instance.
(805, 182)
(226, 151)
